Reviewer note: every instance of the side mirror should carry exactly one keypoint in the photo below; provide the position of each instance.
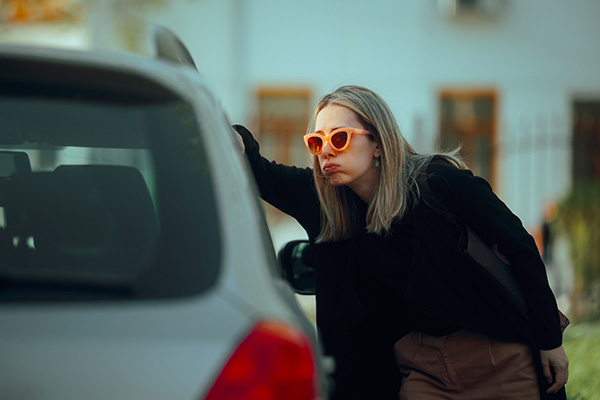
(295, 259)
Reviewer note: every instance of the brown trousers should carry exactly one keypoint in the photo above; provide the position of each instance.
(466, 366)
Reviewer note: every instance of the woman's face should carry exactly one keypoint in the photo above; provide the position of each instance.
(354, 167)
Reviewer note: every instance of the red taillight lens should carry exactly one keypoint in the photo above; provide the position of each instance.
(275, 361)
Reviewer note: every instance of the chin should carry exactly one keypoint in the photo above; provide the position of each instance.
(336, 182)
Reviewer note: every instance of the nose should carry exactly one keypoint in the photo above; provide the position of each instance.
(327, 150)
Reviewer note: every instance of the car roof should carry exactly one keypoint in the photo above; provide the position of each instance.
(163, 75)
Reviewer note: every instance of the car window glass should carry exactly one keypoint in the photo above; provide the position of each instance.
(82, 201)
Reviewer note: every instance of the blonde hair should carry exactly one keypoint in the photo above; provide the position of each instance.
(399, 165)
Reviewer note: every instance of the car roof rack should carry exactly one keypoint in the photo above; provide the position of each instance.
(169, 47)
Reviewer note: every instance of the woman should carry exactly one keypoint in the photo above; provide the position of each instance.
(392, 288)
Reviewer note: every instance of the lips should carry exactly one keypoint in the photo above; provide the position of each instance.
(330, 168)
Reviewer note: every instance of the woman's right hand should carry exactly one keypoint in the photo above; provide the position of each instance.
(241, 141)
(556, 360)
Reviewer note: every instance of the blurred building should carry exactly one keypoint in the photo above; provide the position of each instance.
(517, 83)
(61, 23)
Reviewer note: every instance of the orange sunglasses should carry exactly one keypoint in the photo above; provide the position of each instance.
(339, 139)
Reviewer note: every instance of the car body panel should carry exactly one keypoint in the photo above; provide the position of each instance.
(117, 351)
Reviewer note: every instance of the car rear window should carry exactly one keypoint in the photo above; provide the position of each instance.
(103, 195)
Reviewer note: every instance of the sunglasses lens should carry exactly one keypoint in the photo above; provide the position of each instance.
(315, 144)
(339, 140)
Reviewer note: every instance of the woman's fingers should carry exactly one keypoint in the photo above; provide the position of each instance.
(555, 360)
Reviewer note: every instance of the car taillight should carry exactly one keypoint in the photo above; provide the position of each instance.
(275, 361)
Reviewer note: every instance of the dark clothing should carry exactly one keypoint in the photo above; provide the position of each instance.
(371, 290)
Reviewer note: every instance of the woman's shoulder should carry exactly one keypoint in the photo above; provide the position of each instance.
(442, 175)
(440, 169)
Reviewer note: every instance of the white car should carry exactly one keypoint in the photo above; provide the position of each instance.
(135, 262)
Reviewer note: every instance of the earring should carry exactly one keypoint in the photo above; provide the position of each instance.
(377, 163)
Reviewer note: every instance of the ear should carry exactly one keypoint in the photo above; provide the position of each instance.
(376, 151)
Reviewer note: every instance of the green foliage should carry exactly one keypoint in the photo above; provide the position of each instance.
(579, 219)
(582, 345)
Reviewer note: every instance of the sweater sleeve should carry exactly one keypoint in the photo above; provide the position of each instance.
(287, 188)
(471, 199)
